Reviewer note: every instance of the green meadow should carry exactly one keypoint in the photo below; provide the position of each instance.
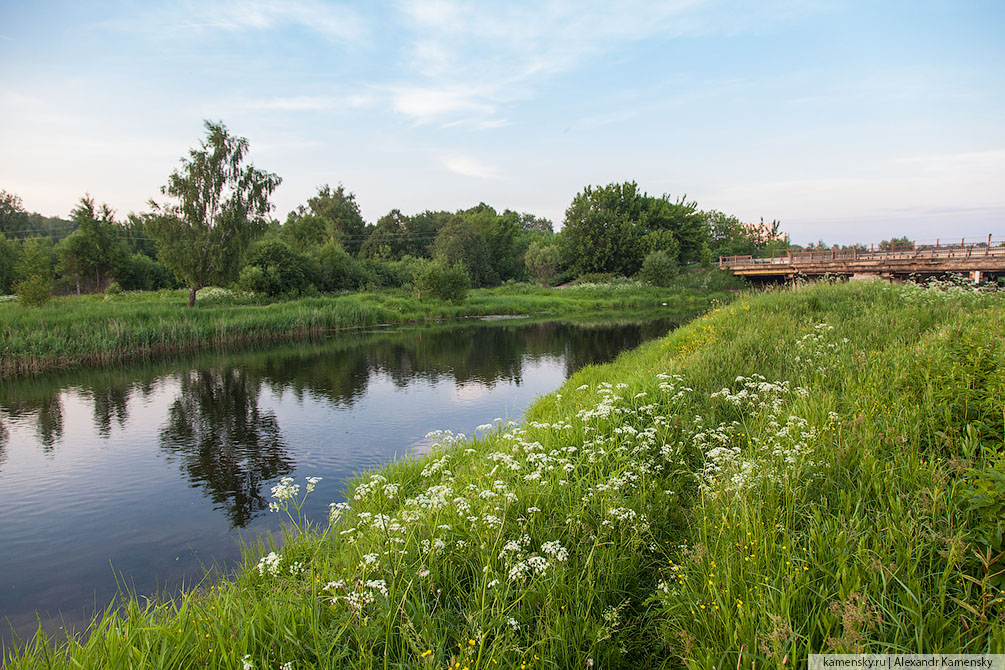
(810, 469)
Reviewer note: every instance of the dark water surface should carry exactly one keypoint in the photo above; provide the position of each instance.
(146, 475)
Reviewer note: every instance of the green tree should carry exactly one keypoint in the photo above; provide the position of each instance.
(9, 256)
(504, 239)
(37, 259)
(680, 217)
(421, 230)
(542, 261)
(134, 231)
(220, 205)
(35, 271)
(459, 242)
(897, 244)
(389, 239)
(728, 236)
(663, 240)
(338, 207)
(602, 231)
(94, 251)
(14, 219)
(305, 231)
(534, 224)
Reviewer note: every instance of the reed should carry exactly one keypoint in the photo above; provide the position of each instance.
(92, 330)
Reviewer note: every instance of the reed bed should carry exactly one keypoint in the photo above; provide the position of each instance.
(809, 470)
(95, 330)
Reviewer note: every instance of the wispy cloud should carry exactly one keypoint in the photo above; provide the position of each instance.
(989, 161)
(470, 167)
(488, 55)
(336, 22)
(306, 103)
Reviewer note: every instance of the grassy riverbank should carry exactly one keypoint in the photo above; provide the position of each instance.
(806, 470)
(83, 330)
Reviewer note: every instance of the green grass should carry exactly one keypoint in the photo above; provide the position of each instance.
(81, 330)
(807, 470)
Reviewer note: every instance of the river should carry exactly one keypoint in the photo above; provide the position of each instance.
(146, 476)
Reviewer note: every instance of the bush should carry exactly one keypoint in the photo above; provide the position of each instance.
(139, 272)
(445, 282)
(338, 271)
(217, 295)
(542, 261)
(597, 278)
(659, 269)
(113, 290)
(273, 268)
(385, 274)
(33, 291)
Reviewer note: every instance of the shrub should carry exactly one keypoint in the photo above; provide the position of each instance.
(273, 268)
(445, 282)
(139, 272)
(384, 274)
(338, 271)
(597, 278)
(542, 261)
(659, 269)
(33, 291)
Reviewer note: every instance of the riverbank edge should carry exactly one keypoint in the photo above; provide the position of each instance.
(110, 332)
(835, 558)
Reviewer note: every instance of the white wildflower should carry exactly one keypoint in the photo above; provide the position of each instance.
(555, 550)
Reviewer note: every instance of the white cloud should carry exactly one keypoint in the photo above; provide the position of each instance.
(469, 167)
(426, 104)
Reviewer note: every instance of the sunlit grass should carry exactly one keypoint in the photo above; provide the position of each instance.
(799, 471)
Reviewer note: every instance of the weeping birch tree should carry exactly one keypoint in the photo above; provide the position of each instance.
(219, 205)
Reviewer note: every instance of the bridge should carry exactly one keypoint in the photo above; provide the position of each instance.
(982, 260)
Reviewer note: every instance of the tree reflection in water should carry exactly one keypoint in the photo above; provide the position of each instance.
(110, 402)
(4, 436)
(224, 442)
(229, 446)
(47, 409)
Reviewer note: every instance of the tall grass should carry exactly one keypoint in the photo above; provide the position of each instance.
(800, 471)
(80, 330)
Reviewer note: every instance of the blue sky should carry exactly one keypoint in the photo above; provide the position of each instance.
(847, 121)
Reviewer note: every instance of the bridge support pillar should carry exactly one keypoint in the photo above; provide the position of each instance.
(976, 276)
(864, 276)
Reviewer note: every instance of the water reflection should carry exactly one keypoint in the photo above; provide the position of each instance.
(339, 370)
(224, 442)
(47, 411)
(110, 403)
(153, 469)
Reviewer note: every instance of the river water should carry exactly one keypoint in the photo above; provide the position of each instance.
(146, 476)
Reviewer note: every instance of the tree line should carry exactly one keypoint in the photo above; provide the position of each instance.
(212, 226)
